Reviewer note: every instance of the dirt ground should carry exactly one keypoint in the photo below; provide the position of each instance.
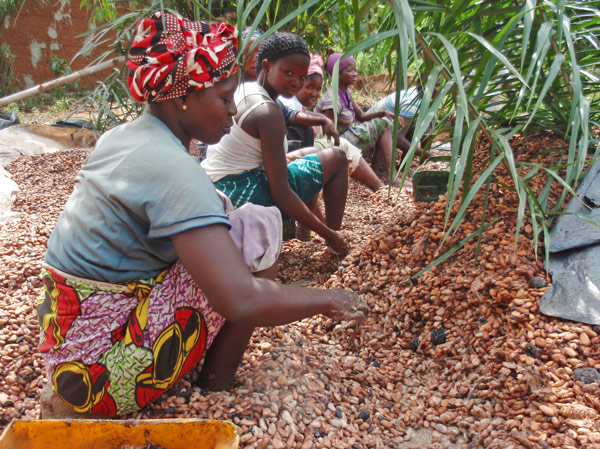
(461, 355)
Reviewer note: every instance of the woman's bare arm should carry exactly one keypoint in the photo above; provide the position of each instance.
(216, 265)
(329, 114)
(311, 118)
(267, 124)
(363, 116)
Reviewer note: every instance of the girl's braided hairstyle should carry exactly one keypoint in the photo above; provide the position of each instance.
(278, 45)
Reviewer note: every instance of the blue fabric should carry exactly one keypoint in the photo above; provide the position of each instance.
(305, 176)
(289, 114)
(410, 102)
(292, 103)
(304, 136)
(138, 187)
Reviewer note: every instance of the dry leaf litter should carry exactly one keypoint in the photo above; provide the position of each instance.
(463, 352)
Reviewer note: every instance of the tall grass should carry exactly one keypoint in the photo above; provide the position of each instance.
(501, 67)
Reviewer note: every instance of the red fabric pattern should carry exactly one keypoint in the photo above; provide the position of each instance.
(171, 54)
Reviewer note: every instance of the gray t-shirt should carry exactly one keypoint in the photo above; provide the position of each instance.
(138, 187)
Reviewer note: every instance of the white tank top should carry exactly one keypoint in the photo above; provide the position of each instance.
(238, 151)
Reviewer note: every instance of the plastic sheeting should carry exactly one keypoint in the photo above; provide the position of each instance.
(575, 257)
(9, 119)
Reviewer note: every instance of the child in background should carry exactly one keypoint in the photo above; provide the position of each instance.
(250, 61)
(300, 122)
(306, 97)
(249, 164)
(371, 132)
(409, 103)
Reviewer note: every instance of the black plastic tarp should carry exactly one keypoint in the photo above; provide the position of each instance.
(574, 261)
(9, 119)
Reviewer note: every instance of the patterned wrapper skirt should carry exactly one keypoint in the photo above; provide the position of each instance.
(112, 349)
(365, 135)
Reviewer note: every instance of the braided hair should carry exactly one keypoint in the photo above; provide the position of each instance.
(278, 45)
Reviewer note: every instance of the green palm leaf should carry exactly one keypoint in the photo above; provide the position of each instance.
(502, 66)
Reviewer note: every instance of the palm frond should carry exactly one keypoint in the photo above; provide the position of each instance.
(502, 67)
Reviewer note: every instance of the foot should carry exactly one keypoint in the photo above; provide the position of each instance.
(52, 406)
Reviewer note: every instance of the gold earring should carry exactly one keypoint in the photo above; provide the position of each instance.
(184, 107)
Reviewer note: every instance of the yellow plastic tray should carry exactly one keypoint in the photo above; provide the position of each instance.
(120, 434)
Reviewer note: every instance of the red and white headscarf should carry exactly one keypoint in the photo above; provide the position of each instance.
(171, 54)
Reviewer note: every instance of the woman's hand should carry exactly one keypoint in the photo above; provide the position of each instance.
(347, 306)
(330, 131)
(338, 243)
(390, 115)
(289, 157)
(214, 261)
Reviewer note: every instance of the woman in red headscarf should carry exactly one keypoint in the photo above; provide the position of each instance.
(148, 271)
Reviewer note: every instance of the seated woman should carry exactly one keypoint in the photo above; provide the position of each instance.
(303, 122)
(371, 132)
(409, 104)
(250, 165)
(145, 273)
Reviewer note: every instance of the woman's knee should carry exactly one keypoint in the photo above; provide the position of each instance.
(333, 157)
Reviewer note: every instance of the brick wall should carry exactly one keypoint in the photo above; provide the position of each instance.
(40, 32)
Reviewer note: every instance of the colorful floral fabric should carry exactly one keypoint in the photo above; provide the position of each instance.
(365, 135)
(112, 349)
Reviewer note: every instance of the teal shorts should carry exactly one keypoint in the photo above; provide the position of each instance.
(305, 176)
